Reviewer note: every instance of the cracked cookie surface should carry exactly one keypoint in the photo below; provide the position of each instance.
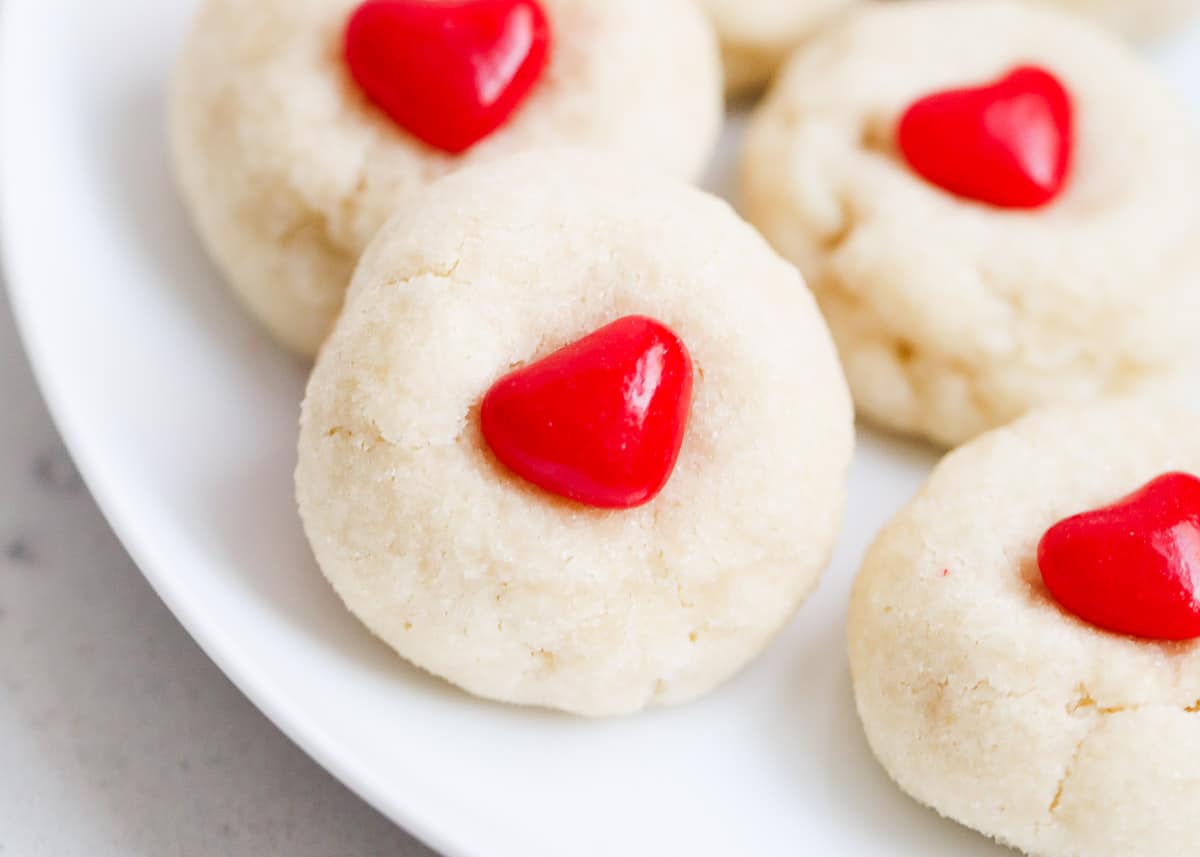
(519, 595)
(952, 316)
(288, 170)
(986, 700)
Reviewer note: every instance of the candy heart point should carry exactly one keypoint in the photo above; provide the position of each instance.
(1132, 567)
(449, 73)
(600, 421)
(1008, 143)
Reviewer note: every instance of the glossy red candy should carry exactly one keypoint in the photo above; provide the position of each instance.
(600, 421)
(450, 72)
(1008, 143)
(1132, 567)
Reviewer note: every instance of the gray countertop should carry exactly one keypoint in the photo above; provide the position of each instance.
(117, 735)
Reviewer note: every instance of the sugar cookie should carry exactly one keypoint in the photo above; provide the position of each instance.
(289, 167)
(455, 552)
(956, 313)
(992, 702)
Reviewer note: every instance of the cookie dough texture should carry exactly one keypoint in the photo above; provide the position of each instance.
(511, 592)
(288, 170)
(986, 700)
(954, 316)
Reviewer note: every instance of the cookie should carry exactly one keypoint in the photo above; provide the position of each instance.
(998, 705)
(446, 476)
(295, 135)
(969, 283)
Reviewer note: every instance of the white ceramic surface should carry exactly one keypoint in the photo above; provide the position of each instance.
(181, 417)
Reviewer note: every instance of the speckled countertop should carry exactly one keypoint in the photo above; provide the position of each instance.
(117, 735)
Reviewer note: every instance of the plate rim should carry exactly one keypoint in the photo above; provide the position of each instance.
(429, 823)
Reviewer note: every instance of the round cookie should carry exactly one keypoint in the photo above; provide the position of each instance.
(508, 590)
(987, 700)
(953, 316)
(288, 168)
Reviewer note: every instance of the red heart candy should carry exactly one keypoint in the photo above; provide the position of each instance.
(1132, 567)
(1008, 143)
(600, 421)
(450, 72)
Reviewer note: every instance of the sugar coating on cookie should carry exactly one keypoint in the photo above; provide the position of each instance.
(288, 169)
(986, 699)
(505, 589)
(954, 316)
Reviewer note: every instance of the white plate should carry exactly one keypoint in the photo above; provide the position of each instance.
(181, 417)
